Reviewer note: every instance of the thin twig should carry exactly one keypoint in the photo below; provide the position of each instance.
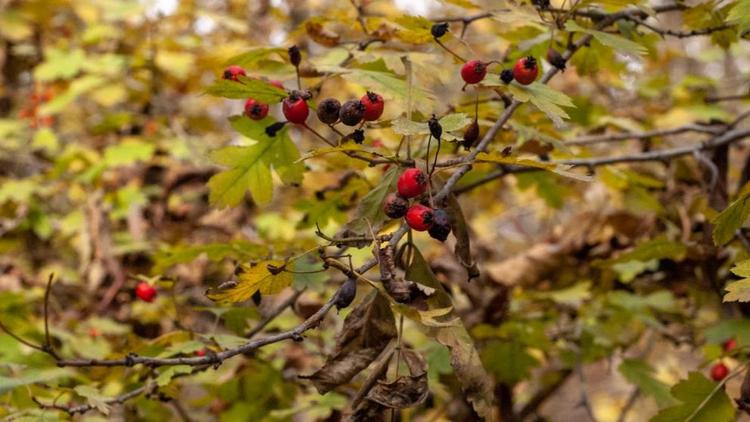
(276, 312)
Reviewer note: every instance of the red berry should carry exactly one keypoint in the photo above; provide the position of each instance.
(473, 71)
(201, 352)
(719, 372)
(729, 345)
(233, 73)
(295, 109)
(374, 105)
(145, 292)
(411, 183)
(525, 71)
(377, 143)
(255, 110)
(94, 332)
(419, 217)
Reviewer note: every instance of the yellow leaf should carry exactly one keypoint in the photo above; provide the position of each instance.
(267, 277)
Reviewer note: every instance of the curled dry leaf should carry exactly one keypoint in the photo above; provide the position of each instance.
(367, 331)
(461, 233)
(320, 35)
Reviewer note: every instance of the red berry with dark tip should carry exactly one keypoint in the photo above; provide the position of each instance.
(719, 372)
(255, 110)
(395, 206)
(729, 345)
(419, 217)
(295, 109)
(145, 292)
(526, 70)
(473, 71)
(374, 106)
(233, 73)
(411, 183)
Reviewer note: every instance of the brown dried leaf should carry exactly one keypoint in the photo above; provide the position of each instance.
(461, 233)
(320, 35)
(405, 391)
(529, 266)
(367, 331)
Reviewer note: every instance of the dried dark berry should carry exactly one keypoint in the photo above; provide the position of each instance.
(328, 110)
(542, 4)
(352, 112)
(439, 29)
(435, 129)
(347, 293)
(506, 76)
(358, 136)
(295, 57)
(441, 225)
(256, 298)
(555, 59)
(471, 134)
(395, 206)
(272, 129)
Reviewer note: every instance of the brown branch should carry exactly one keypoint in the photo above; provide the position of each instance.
(274, 313)
(613, 137)
(47, 341)
(73, 410)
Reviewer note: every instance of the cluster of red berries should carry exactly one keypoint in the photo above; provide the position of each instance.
(411, 184)
(524, 72)
(719, 370)
(368, 108)
(254, 109)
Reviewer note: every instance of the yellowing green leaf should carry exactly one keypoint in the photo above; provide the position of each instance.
(640, 374)
(617, 42)
(738, 291)
(740, 13)
(494, 157)
(265, 277)
(545, 98)
(732, 218)
(165, 377)
(700, 401)
(247, 88)
(414, 29)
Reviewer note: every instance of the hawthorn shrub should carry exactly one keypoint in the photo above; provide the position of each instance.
(520, 210)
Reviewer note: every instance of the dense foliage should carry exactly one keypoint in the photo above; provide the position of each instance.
(520, 210)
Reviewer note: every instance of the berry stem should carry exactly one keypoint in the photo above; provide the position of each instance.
(326, 140)
(453, 53)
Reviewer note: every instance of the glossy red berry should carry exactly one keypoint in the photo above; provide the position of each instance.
(526, 70)
(411, 183)
(295, 109)
(374, 106)
(419, 217)
(729, 345)
(201, 352)
(719, 372)
(145, 292)
(395, 206)
(233, 73)
(473, 71)
(255, 110)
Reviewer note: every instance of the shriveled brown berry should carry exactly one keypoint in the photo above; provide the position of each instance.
(471, 134)
(328, 110)
(395, 206)
(352, 112)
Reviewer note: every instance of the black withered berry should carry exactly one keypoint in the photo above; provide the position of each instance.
(274, 128)
(347, 293)
(295, 57)
(439, 29)
(256, 298)
(441, 225)
(555, 58)
(471, 134)
(435, 128)
(506, 76)
(352, 112)
(542, 4)
(395, 206)
(358, 136)
(328, 110)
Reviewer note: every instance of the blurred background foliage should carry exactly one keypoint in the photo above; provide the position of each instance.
(603, 292)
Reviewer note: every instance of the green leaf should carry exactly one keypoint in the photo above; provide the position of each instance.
(510, 361)
(617, 42)
(247, 88)
(658, 248)
(32, 377)
(128, 152)
(165, 377)
(93, 397)
(59, 64)
(562, 170)
(370, 208)
(390, 84)
(740, 13)
(545, 98)
(250, 166)
(251, 58)
(700, 401)
(640, 374)
(730, 220)
(265, 277)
